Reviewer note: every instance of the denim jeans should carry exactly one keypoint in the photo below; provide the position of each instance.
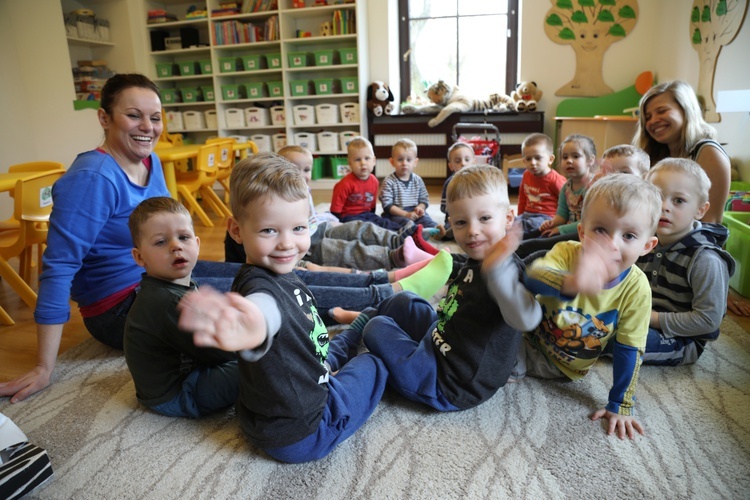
(206, 389)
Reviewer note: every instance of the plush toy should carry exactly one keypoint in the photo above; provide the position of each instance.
(526, 96)
(379, 99)
(448, 99)
(325, 28)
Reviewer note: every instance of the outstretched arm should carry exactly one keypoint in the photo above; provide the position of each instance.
(226, 321)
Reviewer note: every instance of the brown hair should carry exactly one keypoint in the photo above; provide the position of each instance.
(117, 84)
(150, 207)
(477, 180)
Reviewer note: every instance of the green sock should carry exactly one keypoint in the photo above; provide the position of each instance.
(428, 280)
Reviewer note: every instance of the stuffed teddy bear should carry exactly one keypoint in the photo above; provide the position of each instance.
(526, 96)
(447, 99)
(379, 99)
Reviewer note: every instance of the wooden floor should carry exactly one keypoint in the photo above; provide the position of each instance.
(18, 342)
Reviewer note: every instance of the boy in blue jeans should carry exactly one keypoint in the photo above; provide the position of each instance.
(458, 357)
(688, 270)
(172, 376)
(301, 394)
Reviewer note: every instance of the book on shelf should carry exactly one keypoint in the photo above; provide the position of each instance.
(343, 22)
(249, 6)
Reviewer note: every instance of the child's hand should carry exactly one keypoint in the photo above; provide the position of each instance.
(419, 211)
(594, 269)
(546, 225)
(227, 321)
(551, 232)
(619, 424)
(504, 248)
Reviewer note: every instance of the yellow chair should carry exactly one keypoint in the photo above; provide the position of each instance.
(33, 166)
(226, 162)
(32, 207)
(200, 180)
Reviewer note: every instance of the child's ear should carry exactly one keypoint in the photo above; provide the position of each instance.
(234, 230)
(551, 160)
(137, 257)
(393, 162)
(650, 244)
(510, 217)
(702, 211)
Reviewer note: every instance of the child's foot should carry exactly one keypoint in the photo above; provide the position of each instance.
(435, 233)
(407, 271)
(343, 316)
(408, 254)
(421, 242)
(407, 229)
(429, 280)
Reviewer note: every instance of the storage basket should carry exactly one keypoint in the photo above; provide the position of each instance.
(349, 112)
(191, 94)
(304, 114)
(169, 96)
(208, 93)
(327, 114)
(307, 140)
(188, 68)
(348, 55)
(206, 66)
(318, 167)
(235, 117)
(328, 142)
(346, 137)
(275, 89)
(323, 57)
(278, 115)
(273, 60)
(257, 117)
(349, 84)
(174, 121)
(263, 142)
(227, 64)
(193, 120)
(738, 245)
(300, 87)
(254, 90)
(298, 59)
(211, 120)
(231, 91)
(253, 62)
(164, 70)
(324, 86)
(339, 166)
(278, 141)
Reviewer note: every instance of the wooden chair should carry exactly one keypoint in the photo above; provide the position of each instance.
(32, 208)
(201, 180)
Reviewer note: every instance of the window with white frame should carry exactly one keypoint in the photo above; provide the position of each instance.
(470, 43)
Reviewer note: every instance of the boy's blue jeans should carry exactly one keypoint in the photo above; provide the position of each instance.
(401, 335)
(673, 351)
(206, 389)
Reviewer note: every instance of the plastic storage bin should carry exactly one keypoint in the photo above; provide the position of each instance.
(253, 62)
(327, 114)
(211, 120)
(278, 115)
(298, 59)
(278, 141)
(188, 68)
(164, 70)
(328, 142)
(263, 142)
(349, 112)
(738, 245)
(235, 117)
(339, 166)
(323, 57)
(257, 117)
(273, 60)
(304, 114)
(206, 66)
(191, 94)
(318, 167)
(208, 93)
(324, 86)
(193, 120)
(254, 90)
(275, 88)
(230, 91)
(307, 140)
(349, 84)
(348, 55)
(346, 137)
(174, 121)
(169, 96)
(227, 64)
(300, 87)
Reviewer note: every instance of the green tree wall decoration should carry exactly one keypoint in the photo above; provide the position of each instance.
(713, 24)
(590, 27)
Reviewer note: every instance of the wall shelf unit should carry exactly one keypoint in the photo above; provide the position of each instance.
(287, 71)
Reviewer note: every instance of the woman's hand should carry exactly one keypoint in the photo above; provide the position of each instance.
(27, 384)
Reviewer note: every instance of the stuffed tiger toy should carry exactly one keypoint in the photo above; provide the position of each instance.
(447, 99)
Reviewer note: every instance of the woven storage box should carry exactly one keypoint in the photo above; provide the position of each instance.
(327, 114)
(278, 115)
(257, 117)
(307, 140)
(328, 142)
(349, 112)
(304, 114)
(174, 121)
(235, 117)
(211, 120)
(278, 141)
(345, 138)
(263, 142)
(193, 120)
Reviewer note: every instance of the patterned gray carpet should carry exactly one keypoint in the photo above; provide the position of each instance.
(532, 440)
